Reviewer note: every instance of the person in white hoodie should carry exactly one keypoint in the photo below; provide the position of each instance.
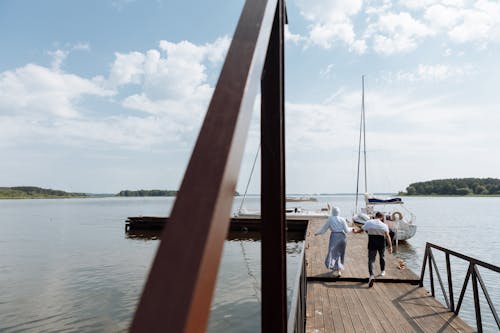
(338, 241)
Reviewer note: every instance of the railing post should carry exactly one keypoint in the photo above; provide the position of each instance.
(477, 306)
(422, 273)
(464, 288)
(450, 283)
(303, 295)
(430, 273)
(274, 302)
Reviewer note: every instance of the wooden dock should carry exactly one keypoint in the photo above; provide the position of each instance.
(394, 304)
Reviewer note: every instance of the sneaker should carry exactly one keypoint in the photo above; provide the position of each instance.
(382, 273)
(340, 273)
(370, 281)
(335, 272)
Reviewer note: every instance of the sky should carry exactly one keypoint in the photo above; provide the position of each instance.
(100, 96)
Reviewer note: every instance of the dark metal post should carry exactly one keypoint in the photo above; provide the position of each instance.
(477, 307)
(450, 283)
(422, 273)
(431, 275)
(274, 303)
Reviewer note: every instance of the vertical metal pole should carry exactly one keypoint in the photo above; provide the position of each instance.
(422, 273)
(450, 283)
(477, 307)
(274, 304)
(431, 275)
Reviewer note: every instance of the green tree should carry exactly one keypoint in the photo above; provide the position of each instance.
(411, 190)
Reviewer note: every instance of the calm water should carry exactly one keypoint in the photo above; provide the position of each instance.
(68, 266)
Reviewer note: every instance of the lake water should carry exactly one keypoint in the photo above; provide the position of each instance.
(68, 266)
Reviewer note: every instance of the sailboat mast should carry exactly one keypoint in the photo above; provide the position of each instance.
(364, 129)
(362, 134)
(359, 147)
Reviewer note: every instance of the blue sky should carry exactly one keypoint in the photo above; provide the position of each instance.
(100, 96)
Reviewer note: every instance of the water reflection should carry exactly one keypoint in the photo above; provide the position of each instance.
(408, 253)
(144, 235)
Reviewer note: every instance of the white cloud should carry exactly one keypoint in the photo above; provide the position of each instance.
(475, 26)
(437, 72)
(327, 72)
(81, 46)
(332, 22)
(58, 58)
(392, 28)
(175, 84)
(408, 122)
(40, 91)
(294, 38)
(176, 70)
(397, 33)
(120, 4)
(442, 16)
(44, 104)
(422, 4)
(127, 68)
(462, 21)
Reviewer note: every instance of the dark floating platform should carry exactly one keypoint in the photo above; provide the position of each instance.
(236, 224)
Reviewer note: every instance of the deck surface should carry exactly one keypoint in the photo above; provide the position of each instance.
(346, 304)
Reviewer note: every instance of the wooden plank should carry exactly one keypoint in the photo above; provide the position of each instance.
(367, 307)
(390, 312)
(329, 322)
(310, 311)
(426, 311)
(319, 311)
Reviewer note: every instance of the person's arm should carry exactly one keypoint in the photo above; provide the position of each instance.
(389, 240)
(323, 229)
(366, 226)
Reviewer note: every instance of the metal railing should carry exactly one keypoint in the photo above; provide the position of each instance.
(472, 271)
(178, 291)
(297, 314)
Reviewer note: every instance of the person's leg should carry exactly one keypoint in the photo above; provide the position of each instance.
(328, 259)
(371, 259)
(381, 253)
(339, 252)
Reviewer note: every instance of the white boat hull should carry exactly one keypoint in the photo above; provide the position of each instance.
(402, 229)
(300, 215)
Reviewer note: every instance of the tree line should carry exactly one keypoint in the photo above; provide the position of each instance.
(26, 192)
(147, 193)
(455, 186)
(152, 193)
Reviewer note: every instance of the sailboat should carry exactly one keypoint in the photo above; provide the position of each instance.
(402, 225)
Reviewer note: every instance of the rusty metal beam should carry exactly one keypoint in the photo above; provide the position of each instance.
(273, 253)
(180, 285)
